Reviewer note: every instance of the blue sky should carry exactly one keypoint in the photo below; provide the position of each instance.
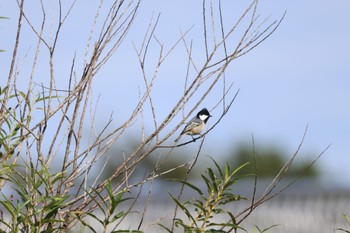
(299, 76)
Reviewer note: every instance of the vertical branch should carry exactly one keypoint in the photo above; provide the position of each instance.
(81, 121)
(213, 22)
(88, 43)
(187, 69)
(13, 60)
(36, 56)
(225, 51)
(205, 30)
(41, 131)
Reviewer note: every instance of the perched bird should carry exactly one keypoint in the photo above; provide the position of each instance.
(196, 125)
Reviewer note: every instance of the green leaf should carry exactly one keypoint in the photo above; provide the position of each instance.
(347, 218)
(111, 199)
(207, 182)
(17, 127)
(217, 167)
(54, 205)
(215, 231)
(227, 172)
(9, 206)
(341, 229)
(266, 229)
(127, 231)
(239, 168)
(5, 222)
(164, 227)
(115, 201)
(118, 216)
(84, 223)
(218, 211)
(184, 209)
(58, 177)
(25, 97)
(52, 220)
(233, 219)
(229, 183)
(38, 99)
(214, 180)
(191, 186)
(95, 217)
(2, 91)
(187, 229)
(200, 206)
(229, 197)
(96, 201)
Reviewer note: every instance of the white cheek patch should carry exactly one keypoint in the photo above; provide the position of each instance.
(203, 117)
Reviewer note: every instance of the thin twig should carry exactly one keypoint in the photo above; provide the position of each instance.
(185, 179)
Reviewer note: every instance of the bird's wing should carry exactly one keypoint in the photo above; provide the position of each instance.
(190, 126)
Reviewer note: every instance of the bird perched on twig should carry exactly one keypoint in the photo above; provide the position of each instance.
(196, 125)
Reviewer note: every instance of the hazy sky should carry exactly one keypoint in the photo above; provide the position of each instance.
(299, 76)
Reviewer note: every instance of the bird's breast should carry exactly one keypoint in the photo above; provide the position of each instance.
(197, 130)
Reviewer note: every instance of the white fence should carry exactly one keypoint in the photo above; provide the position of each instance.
(291, 214)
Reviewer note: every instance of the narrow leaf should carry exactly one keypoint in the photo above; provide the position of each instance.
(191, 186)
(218, 167)
(184, 209)
(207, 182)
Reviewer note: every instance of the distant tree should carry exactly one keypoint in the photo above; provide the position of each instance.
(269, 162)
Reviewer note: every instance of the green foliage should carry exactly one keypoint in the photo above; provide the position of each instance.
(9, 130)
(201, 212)
(269, 162)
(16, 119)
(108, 208)
(36, 207)
(37, 203)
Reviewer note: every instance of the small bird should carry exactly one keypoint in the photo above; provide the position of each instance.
(196, 125)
